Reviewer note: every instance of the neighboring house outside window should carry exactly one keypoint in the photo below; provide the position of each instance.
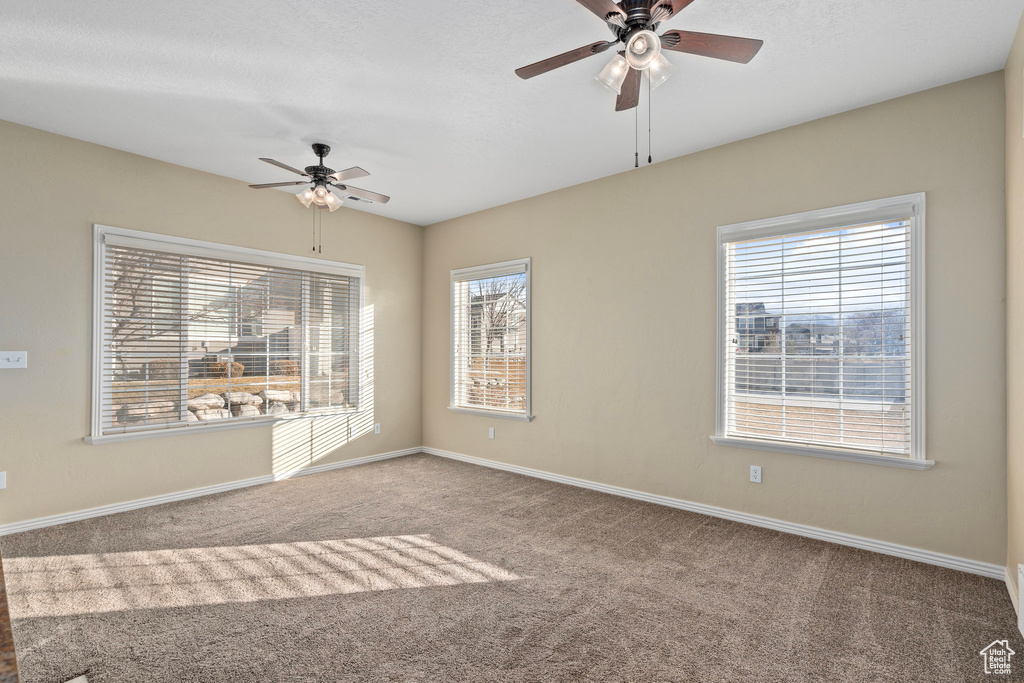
(190, 335)
(821, 333)
(490, 355)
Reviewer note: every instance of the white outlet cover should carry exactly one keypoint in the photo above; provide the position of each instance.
(3, 480)
(490, 433)
(13, 359)
(376, 428)
(755, 474)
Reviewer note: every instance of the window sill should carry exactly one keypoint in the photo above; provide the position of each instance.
(833, 454)
(522, 417)
(203, 427)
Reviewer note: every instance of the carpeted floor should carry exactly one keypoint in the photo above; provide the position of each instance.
(424, 569)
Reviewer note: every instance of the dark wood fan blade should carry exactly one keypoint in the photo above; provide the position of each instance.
(569, 57)
(350, 173)
(284, 166)
(733, 49)
(629, 95)
(675, 5)
(288, 184)
(602, 8)
(364, 194)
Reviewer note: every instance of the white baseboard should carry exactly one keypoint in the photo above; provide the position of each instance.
(1008, 577)
(927, 556)
(66, 517)
(1013, 589)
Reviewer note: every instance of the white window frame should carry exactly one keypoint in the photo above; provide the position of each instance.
(478, 272)
(912, 205)
(105, 234)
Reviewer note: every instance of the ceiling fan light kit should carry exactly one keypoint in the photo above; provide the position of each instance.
(320, 197)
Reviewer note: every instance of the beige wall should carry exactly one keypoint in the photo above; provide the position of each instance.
(624, 321)
(624, 276)
(1014, 75)
(52, 189)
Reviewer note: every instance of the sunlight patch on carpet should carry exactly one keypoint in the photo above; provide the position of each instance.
(65, 585)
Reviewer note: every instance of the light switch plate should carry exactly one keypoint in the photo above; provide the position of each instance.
(13, 359)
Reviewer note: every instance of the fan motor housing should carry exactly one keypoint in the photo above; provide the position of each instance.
(319, 171)
(638, 18)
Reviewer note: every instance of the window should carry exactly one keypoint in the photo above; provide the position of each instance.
(491, 340)
(821, 333)
(192, 335)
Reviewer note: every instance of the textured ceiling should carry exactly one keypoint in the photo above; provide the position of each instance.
(423, 95)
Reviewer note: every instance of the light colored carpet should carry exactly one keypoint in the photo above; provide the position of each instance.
(424, 569)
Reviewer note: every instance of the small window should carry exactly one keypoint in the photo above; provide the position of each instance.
(821, 333)
(191, 335)
(491, 340)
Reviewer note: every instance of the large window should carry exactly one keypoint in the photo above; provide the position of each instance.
(191, 334)
(821, 323)
(491, 339)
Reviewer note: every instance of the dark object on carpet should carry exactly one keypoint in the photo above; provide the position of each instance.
(421, 568)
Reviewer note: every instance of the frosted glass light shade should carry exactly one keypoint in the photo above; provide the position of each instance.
(332, 202)
(659, 70)
(614, 73)
(306, 197)
(642, 48)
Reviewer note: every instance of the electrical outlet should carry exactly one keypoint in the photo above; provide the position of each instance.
(376, 428)
(13, 359)
(3, 480)
(755, 474)
(490, 433)
(351, 432)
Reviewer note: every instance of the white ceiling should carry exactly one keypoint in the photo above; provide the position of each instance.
(423, 95)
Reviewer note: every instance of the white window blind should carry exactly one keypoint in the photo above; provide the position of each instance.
(817, 328)
(491, 339)
(192, 334)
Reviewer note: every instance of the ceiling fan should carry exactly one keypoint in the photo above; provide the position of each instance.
(320, 179)
(633, 23)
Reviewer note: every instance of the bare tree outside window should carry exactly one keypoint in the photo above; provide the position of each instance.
(491, 343)
(194, 339)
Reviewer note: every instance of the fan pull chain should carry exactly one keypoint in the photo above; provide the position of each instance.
(318, 230)
(636, 138)
(649, 157)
